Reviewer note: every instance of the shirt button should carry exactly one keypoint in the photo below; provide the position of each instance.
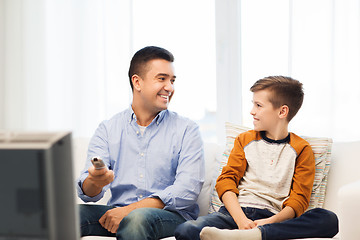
(142, 154)
(140, 195)
(137, 132)
(141, 176)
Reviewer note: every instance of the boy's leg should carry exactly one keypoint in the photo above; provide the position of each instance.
(209, 233)
(315, 223)
(191, 229)
(149, 223)
(89, 220)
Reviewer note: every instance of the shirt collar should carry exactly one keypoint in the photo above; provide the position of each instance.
(285, 140)
(158, 119)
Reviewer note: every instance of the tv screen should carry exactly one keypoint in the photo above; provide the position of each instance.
(37, 186)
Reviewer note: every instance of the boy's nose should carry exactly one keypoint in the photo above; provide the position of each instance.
(252, 112)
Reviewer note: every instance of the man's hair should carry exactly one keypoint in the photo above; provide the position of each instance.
(283, 91)
(138, 64)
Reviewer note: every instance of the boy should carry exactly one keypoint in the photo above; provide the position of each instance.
(266, 185)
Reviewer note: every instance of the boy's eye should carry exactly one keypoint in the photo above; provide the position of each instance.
(172, 81)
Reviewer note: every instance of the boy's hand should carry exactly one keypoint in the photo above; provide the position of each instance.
(263, 221)
(246, 224)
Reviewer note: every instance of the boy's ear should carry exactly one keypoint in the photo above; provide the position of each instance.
(136, 82)
(284, 111)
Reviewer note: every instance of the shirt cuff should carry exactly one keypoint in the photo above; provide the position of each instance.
(84, 197)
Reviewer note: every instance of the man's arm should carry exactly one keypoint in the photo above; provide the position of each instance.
(190, 174)
(91, 182)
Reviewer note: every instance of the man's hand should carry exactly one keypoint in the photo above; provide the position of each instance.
(96, 180)
(100, 177)
(112, 218)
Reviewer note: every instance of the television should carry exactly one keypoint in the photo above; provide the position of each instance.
(37, 187)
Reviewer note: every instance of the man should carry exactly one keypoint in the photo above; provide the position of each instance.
(154, 160)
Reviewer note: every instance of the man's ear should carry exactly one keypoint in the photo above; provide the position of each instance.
(136, 82)
(284, 111)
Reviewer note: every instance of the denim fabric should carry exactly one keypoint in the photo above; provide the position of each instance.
(142, 223)
(314, 223)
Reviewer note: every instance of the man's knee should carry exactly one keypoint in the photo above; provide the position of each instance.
(138, 217)
(138, 223)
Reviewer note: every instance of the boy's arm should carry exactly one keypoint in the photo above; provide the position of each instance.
(302, 182)
(285, 214)
(231, 203)
(232, 173)
(228, 182)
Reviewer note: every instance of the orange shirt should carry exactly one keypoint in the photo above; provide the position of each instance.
(269, 174)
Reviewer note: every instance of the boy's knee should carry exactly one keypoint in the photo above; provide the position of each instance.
(188, 230)
(328, 219)
(326, 215)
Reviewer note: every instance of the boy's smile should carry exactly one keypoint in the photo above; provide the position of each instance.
(266, 117)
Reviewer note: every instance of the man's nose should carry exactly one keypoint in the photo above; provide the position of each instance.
(169, 86)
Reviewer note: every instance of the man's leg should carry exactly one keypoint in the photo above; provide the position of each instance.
(149, 223)
(315, 223)
(191, 229)
(89, 220)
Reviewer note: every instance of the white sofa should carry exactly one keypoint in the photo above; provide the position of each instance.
(344, 170)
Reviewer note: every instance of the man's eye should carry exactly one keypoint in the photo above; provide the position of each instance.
(172, 81)
(162, 78)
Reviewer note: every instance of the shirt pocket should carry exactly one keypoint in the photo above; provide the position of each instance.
(162, 167)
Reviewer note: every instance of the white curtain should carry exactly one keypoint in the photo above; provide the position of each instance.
(66, 61)
(316, 42)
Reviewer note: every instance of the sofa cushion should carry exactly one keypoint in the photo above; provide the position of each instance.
(322, 151)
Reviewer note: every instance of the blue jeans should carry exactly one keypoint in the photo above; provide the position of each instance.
(315, 223)
(142, 223)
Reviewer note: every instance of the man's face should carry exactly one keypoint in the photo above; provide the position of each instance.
(157, 85)
(266, 117)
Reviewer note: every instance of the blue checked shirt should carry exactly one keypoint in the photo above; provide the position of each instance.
(166, 162)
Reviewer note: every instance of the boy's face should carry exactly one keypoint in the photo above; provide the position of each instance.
(266, 117)
(157, 85)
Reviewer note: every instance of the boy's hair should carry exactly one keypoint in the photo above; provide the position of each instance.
(141, 57)
(283, 91)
